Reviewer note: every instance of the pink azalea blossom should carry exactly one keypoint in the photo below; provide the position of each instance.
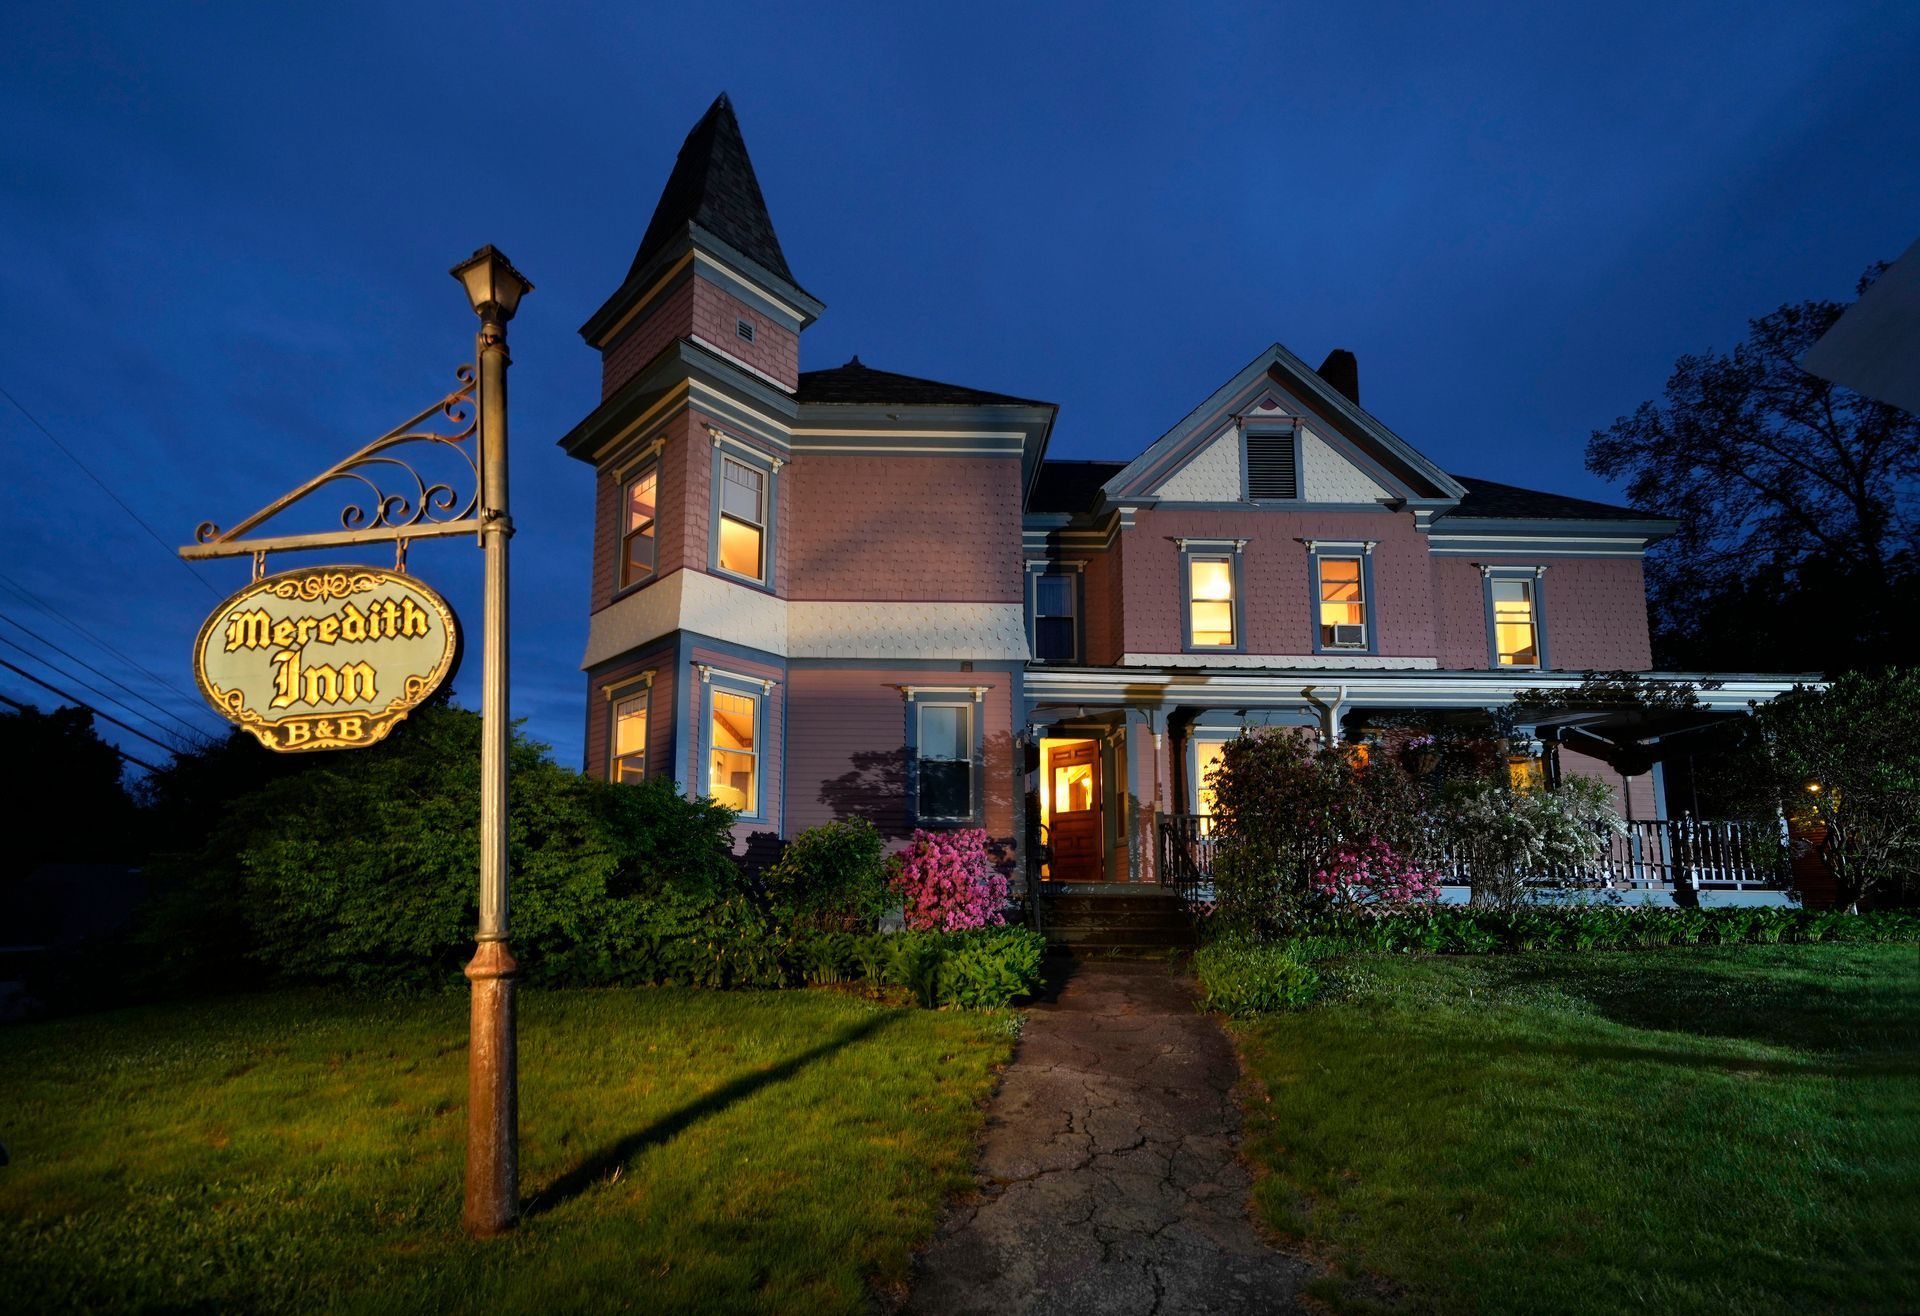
(947, 884)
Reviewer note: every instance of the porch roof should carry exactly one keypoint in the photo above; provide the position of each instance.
(1304, 688)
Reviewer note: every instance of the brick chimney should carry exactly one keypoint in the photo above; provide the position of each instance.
(1342, 370)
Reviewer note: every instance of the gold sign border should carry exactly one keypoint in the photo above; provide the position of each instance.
(313, 584)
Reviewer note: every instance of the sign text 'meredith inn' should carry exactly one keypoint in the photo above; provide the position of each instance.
(381, 619)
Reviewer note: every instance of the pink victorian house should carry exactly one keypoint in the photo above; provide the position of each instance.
(848, 592)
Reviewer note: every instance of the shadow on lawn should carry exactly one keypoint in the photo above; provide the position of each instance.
(617, 1154)
(1694, 1000)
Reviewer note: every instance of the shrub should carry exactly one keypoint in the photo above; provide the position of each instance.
(365, 871)
(1506, 838)
(946, 882)
(1241, 977)
(1477, 930)
(1372, 875)
(982, 969)
(831, 876)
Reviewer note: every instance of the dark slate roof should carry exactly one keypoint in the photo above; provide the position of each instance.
(713, 185)
(1070, 486)
(854, 383)
(1487, 498)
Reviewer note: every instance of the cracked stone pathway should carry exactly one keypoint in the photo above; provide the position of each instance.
(1108, 1178)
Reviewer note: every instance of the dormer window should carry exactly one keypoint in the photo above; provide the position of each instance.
(637, 538)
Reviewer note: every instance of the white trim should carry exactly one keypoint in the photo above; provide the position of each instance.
(1290, 662)
(738, 363)
(703, 259)
(708, 671)
(618, 689)
(912, 692)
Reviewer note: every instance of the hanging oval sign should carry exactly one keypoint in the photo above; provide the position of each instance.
(325, 657)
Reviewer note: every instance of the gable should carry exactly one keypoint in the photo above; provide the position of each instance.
(1345, 454)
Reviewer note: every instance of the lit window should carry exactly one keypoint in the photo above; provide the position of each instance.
(630, 739)
(1210, 609)
(1526, 772)
(945, 755)
(637, 539)
(1343, 603)
(1206, 757)
(733, 774)
(743, 519)
(1054, 630)
(1516, 625)
(1072, 787)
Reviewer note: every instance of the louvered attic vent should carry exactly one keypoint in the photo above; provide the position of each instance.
(1270, 468)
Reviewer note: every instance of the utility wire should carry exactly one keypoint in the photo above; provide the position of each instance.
(77, 628)
(94, 690)
(88, 472)
(29, 708)
(89, 707)
(192, 730)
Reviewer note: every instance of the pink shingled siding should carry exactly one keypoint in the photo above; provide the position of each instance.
(1100, 624)
(644, 337)
(775, 349)
(680, 532)
(1597, 614)
(772, 720)
(906, 528)
(659, 714)
(1276, 603)
(1634, 796)
(849, 746)
(1461, 604)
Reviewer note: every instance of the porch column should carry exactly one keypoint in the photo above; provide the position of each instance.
(1145, 746)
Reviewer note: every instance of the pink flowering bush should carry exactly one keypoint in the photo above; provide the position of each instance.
(1373, 876)
(947, 884)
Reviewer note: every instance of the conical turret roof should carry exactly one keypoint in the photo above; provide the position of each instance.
(713, 185)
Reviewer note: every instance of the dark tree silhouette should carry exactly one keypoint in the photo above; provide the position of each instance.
(1799, 502)
(65, 795)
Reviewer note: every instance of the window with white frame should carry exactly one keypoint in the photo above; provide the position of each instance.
(1343, 601)
(629, 756)
(742, 539)
(943, 750)
(1055, 625)
(1515, 607)
(637, 538)
(733, 750)
(1210, 601)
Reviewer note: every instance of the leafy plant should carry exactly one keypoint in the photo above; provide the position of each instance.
(831, 876)
(1242, 977)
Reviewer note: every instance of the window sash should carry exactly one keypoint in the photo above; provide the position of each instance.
(1516, 623)
(743, 519)
(733, 750)
(628, 756)
(1210, 602)
(1343, 598)
(944, 757)
(1054, 621)
(638, 546)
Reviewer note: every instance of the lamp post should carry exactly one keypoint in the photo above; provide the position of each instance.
(492, 1204)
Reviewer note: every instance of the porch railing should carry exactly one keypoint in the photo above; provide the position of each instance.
(1699, 854)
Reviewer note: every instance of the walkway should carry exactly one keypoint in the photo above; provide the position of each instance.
(1108, 1180)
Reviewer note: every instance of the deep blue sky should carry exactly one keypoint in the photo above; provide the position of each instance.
(224, 231)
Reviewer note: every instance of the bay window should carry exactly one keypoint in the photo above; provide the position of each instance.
(629, 758)
(741, 536)
(637, 538)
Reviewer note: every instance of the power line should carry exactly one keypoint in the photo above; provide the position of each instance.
(142, 763)
(94, 690)
(87, 471)
(192, 730)
(89, 707)
(77, 628)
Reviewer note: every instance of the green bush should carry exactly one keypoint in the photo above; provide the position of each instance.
(1241, 977)
(365, 871)
(1471, 930)
(831, 876)
(984, 969)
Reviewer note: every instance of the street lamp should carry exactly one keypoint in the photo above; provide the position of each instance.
(492, 1204)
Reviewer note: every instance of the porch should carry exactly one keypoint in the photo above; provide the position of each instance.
(1680, 858)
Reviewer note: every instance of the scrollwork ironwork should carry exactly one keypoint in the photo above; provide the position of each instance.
(397, 494)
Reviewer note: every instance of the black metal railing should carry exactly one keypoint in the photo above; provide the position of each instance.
(1698, 854)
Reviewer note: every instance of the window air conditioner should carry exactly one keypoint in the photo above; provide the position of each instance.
(1350, 635)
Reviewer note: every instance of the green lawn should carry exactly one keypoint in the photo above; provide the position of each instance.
(682, 1150)
(1707, 1130)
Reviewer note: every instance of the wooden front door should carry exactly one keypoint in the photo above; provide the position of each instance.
(1074, 794)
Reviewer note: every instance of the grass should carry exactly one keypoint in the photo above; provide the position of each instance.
(682, 1151)
(1707, 1130)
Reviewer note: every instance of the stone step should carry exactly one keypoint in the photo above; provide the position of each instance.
(1116, 918)
(1119, 938)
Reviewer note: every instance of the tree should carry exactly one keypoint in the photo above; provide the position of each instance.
(1797, 498)
(64, 790)
(1846, 758)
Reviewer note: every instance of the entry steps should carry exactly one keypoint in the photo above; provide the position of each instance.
(1113, 919)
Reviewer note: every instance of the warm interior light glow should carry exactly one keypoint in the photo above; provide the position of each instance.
(1206, 757)
(1210, 587)
(1514, 630)
(732, 776)
(630, 739)
(739, 548)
